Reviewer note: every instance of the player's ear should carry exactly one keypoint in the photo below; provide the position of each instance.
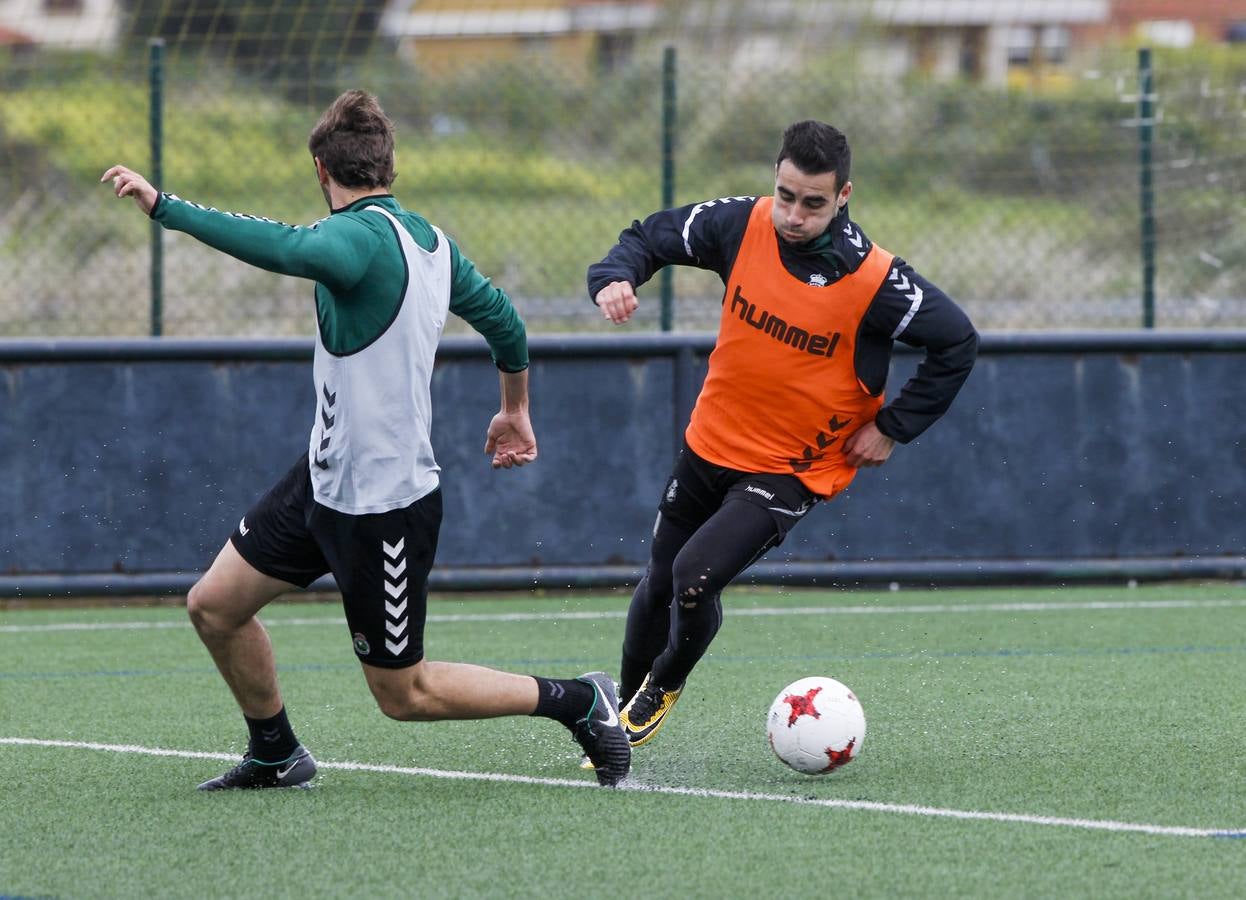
(842, 200)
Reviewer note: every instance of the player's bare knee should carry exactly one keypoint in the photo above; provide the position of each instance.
(410, 708)
(392, 700)
(403, 699)
(396, 708)
(203, 612)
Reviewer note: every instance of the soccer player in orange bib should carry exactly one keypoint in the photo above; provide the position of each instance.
(792, 404)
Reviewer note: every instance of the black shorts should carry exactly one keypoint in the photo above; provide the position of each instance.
(698, 488)
(380, 561)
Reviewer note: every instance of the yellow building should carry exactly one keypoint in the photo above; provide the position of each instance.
(582, 35)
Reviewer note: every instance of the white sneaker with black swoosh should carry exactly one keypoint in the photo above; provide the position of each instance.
(297, 770)
(600, 733)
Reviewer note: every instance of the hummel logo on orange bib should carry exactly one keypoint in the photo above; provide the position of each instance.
(782, 393)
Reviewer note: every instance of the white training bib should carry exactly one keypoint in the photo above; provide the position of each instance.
(370, 450)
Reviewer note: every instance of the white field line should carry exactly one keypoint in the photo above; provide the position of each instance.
(917, 609)
(701, 793)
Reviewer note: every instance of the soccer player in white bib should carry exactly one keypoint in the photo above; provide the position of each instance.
(364, 501)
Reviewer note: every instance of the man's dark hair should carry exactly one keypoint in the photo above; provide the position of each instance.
(355, 141)
(815, 147)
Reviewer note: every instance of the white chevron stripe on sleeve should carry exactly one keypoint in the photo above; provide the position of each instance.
(915, 300)
(696, 210)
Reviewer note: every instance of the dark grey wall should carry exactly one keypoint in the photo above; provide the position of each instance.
(135, 459)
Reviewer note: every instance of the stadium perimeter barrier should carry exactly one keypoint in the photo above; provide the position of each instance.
(1068, 456)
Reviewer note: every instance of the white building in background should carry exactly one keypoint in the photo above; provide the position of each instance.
(62, 24)
(985, 40)
(993, 41)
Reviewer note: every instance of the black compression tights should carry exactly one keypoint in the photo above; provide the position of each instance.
(675, 610)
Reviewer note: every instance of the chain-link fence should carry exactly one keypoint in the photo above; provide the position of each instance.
(1002, 156)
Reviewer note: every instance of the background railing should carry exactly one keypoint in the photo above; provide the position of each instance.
(1041, 200)
(1066, 457)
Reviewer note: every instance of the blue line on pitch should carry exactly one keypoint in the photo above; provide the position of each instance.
(203, 670)
(907, 655)
(715, 658)
(988, 654)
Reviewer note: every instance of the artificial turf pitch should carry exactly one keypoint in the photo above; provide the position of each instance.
(1032, 742)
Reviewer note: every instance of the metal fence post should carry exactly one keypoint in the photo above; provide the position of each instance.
(155, 74)
(667, 275)
(1146, 139)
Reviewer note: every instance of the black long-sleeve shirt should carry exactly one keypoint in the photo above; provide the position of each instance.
(906, 308)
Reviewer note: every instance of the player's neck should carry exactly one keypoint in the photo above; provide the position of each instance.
(340, 197)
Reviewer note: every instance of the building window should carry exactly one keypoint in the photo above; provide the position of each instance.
(1055, 43)
(1020, 44)
(972, 52)
(62, 7)
(614, 51)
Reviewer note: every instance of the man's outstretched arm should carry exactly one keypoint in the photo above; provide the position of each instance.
(336, 252)
(704, 235)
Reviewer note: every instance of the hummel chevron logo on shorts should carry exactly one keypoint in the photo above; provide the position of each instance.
(395, 583)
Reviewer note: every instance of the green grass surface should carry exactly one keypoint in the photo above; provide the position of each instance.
(1096, 703)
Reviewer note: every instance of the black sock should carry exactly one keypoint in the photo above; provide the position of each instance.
(272, 740)
(566, 700)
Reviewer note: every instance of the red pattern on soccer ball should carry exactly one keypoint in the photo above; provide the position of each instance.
(802, 706)
(839, 757)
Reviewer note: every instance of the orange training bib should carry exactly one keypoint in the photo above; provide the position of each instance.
(782, 394)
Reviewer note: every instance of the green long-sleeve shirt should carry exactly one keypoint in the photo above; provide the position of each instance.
(358, 267)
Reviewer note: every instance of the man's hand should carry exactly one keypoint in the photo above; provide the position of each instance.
(128, 183)
(617, 301)
(510, 440)
(868, 447)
